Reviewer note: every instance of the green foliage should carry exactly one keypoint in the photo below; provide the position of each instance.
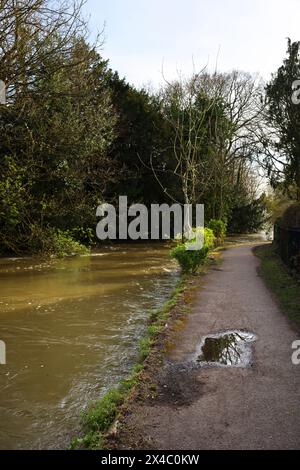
(219, 228)
(280, 281)
(248, 218)
(13, 201)
(92, 440)
(75, 135)
(60, 244)
(51, 242)
(85, 236)
(209, 237)
(141, 131)
(55, 136)
(97, 419)
(276, 202)
(102, 413)
(190, 260)
(144, 347)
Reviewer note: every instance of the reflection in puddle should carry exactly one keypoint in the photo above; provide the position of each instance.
(229, 348)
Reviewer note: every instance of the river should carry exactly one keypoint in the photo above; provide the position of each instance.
(71, 329)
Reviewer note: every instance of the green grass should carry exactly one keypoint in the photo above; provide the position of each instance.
(277, 277)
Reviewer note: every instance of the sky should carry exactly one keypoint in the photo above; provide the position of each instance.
(148, 41)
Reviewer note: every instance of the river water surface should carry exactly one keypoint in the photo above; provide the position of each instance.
(71, 329)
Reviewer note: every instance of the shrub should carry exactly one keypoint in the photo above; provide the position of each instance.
(219, 228)
(85, 236)
(60, 243)
(209, 238)
(190, 260)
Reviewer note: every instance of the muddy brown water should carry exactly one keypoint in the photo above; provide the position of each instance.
(71, 329)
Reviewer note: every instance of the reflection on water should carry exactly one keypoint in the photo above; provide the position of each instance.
(251, 238)
(71, 329)
(226, 349)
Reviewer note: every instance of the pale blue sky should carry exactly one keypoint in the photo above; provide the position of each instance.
(141, 35)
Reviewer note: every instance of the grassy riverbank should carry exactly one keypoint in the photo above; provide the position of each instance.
(98, 419)
(101, 419)
(280, 281)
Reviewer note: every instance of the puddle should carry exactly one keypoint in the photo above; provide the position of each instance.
(226, 349)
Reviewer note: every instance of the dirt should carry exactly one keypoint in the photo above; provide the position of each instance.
(251, 407)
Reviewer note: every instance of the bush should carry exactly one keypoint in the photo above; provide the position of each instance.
(219, 228)
(209, 238)
(85, 236)
(62, 244)
(190, 260)
(51, 242)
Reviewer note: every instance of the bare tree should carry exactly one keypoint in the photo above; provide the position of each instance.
(216, 121)
(32, 32)
(187, 110)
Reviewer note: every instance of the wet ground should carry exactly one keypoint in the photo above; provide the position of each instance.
(207, 401)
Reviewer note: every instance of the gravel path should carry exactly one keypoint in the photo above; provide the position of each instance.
(256, 407)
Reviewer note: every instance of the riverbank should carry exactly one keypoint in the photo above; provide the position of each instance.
(103, 421)
(181, 405)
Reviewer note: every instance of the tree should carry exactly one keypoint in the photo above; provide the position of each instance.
(141, 136)
(213, 120)
(283, 116)
(187, 110)
(32, 32)
(55, 131)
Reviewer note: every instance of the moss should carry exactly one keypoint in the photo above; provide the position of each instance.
(277, 277)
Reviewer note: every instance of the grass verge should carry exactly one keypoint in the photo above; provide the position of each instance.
(99, 417)
(277, 277)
